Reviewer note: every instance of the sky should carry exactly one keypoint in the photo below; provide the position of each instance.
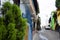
(46, 7)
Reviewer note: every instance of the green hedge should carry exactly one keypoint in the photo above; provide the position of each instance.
(12, 24)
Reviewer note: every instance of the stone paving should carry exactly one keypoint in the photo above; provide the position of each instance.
(46, 35)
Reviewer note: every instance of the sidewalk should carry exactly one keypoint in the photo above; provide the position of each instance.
(38, 36)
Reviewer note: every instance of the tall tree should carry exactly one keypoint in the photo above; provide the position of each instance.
(58, 4)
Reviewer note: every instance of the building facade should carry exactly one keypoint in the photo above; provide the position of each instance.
(29, 11)
(24, 6)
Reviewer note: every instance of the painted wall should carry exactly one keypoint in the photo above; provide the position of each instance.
(26, 14)
(58, 17)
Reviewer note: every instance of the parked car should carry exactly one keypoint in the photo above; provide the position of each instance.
(47, 27)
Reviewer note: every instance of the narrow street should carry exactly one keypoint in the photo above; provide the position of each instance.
(29, 19)
(46, 35)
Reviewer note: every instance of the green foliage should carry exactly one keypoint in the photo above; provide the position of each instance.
(3, 30)
(6, 6)
(11, 31)
(12, 24)
(58, 4)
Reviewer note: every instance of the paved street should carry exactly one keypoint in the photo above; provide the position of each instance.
(46, 35)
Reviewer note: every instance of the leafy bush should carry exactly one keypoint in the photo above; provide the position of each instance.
(12, 24)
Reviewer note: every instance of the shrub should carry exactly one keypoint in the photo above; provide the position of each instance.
(12, 24)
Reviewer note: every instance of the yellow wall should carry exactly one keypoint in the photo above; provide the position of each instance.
(58, 16)
(26, 34)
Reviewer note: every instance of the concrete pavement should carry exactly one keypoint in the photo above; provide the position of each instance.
(46, 35)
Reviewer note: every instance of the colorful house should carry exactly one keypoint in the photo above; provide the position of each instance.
(29, 12)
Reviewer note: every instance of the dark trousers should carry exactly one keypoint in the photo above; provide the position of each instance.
(38, 27)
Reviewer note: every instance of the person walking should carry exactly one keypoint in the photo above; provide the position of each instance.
(38, 23)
